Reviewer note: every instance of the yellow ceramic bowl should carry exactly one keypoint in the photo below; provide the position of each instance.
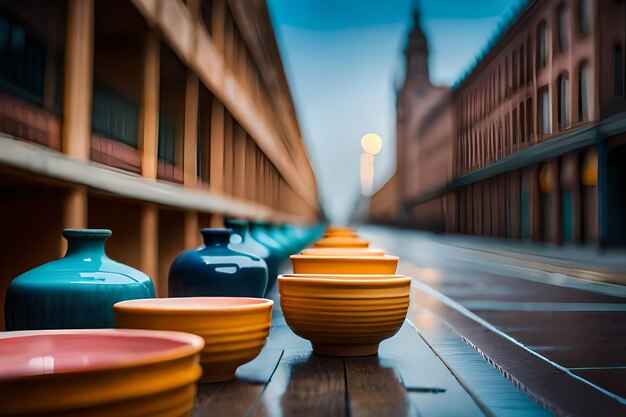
(335, 228)
(341, 242)
(344, 317)
(311, 264)
(342, 252)
(340, 233)
(234, 328)
(345, 277)
(103, 372)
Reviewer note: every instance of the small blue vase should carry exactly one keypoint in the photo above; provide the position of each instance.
(216, 270)
(76, 291)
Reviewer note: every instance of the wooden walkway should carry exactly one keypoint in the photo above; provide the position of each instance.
(407, 378)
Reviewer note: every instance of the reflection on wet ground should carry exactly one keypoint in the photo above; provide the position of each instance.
(575, 324)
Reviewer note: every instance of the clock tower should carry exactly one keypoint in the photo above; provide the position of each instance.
(414, 99)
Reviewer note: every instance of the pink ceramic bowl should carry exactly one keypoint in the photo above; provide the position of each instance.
(98, 372)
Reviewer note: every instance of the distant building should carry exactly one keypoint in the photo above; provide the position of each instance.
(149, 117)
(414, 99)
(539, 130)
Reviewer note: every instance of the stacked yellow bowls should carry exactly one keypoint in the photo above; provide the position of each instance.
(344, 299)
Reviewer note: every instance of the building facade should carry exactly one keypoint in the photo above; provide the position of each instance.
(538, 133)
(414, 100)
(152, 118)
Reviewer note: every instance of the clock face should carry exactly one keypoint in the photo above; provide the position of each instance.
(420, 91)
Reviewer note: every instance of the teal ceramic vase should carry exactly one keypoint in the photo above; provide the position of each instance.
(76, 291)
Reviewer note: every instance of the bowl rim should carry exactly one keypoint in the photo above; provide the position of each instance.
(342, 238)
(346, 258)
(335, 248)
(151, 305)
(192, 344)
(338, 282)
(340, 276)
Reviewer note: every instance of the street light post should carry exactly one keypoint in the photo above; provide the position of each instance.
(371, 144)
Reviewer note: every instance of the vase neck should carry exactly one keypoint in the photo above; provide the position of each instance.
(239, 227)
(216, 237)
(80, 241)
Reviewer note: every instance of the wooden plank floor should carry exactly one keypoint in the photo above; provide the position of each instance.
(287, 379)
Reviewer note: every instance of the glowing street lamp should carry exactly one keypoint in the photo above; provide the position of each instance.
(371, 144)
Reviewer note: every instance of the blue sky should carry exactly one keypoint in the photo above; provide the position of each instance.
(343, 58)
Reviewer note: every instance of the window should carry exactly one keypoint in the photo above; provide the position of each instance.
(507, 130)
(113, 115)
(583, 16)
(529, 118)
(514, 68)
(167, 140)
(515, 125)
(522, 65)
(544, 110)
(522, 122)
(507, 78)
(619, 70)
(563, 104)
(542, 44)
(22, 61)
(583, 92)
(562, 22)
(529, 61)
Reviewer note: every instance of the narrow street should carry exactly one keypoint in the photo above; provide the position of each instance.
(560, 339)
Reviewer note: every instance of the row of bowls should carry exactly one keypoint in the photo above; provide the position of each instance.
(343, 296)
(149, 366)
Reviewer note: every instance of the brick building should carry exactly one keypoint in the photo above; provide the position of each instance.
(538, 133)
(152, 118)
(414, 100)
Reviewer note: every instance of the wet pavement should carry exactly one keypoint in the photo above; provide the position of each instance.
(560, 339)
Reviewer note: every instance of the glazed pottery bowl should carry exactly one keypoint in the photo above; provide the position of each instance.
(341, 242)
(342, 252)
(340, 233)
(344, 317)
(316, 264)
(105, 372)
(345, 277)
(234, 328)
(339, 229)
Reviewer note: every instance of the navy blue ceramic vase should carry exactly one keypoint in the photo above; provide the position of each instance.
(217, 270)
(76, 291)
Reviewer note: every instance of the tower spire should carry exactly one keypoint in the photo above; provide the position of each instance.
(417, 47)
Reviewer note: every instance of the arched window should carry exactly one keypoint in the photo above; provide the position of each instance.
(562, 22)
(544, 110)
(563, 114)
(542, 44)
(583, 16)
(583, 92)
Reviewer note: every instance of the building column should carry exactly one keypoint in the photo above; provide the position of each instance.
(78, 79)
(150, 106)
(228, 155)
(216, 177)
(74, 212)
(240, 163)
(149, 246)
(191, 236)
(190, 135)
